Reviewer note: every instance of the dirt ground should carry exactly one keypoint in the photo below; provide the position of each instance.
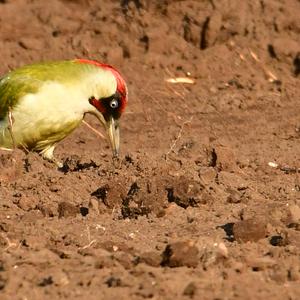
(205, 200)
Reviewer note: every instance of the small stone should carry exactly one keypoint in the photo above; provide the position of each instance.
(27, 203)
(294, 214)
(293, 238)
(66, 209)
(222, 250)
(173, 209)
(151, 258)
(45, 209)
(190, 290)
(125, 259)
(184, 192)
(180, 254)
(224, 159)
(250, 230)
(208, 174)
(234, 196)
(94, 204)
(232, 180)
(32, 216)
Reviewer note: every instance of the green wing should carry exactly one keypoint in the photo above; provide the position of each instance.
(28, 79)
(12, 88)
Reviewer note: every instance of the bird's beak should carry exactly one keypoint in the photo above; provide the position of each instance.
(113, 132)
(111, 126)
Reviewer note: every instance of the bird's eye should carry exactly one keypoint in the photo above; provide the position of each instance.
(114, 103)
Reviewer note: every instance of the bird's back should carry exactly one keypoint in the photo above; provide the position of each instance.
(29, 79)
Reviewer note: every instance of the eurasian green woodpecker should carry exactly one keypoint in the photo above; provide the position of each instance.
(41, 104)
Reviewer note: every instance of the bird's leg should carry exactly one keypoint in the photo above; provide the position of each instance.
(10, 127)
(47, 153)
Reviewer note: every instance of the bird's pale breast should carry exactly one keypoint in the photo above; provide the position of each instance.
(46, 117)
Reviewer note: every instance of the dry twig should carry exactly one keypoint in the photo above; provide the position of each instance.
(284, 168)
(94, 130)
(90, 241)
(180, 80)
(9, 243)
(173, 145)
(270, 75)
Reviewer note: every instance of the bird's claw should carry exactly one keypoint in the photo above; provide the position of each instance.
(48, 154)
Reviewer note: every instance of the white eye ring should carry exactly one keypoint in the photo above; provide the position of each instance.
(114, 103)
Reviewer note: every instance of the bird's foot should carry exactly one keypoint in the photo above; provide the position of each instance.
(48, 155)
(58, 163)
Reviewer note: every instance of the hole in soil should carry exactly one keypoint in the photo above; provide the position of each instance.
(113, 282)
(56, 33)
(271, 51)
(101, 193)
(228, 228)
(134, 212)
(129, 159)
(125, 3)
(276, 240)
(296, 64)
(295, 226)
(84, 211)
(145, 41)
(75, 166)
(213, 159)
(27, 165)
(46, 281)
(203, 37)
(186, 28)
(166, 255)
(234, 82)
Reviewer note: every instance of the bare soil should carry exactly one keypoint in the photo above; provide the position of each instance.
(193, 209)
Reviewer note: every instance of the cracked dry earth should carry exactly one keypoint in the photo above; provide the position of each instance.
(204, 202)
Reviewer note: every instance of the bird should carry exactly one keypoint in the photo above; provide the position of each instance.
(42, 103)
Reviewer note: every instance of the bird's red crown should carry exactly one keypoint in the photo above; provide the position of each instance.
(121, 85)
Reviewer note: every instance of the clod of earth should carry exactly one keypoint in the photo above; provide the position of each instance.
(180, 254)
(250, 230)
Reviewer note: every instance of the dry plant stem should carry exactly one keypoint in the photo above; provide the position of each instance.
(90, 241)
(271, 77)
(288, 169)
(184, 89)
(173, 145)
(10, 127)
(9, 243)
(94, 130)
